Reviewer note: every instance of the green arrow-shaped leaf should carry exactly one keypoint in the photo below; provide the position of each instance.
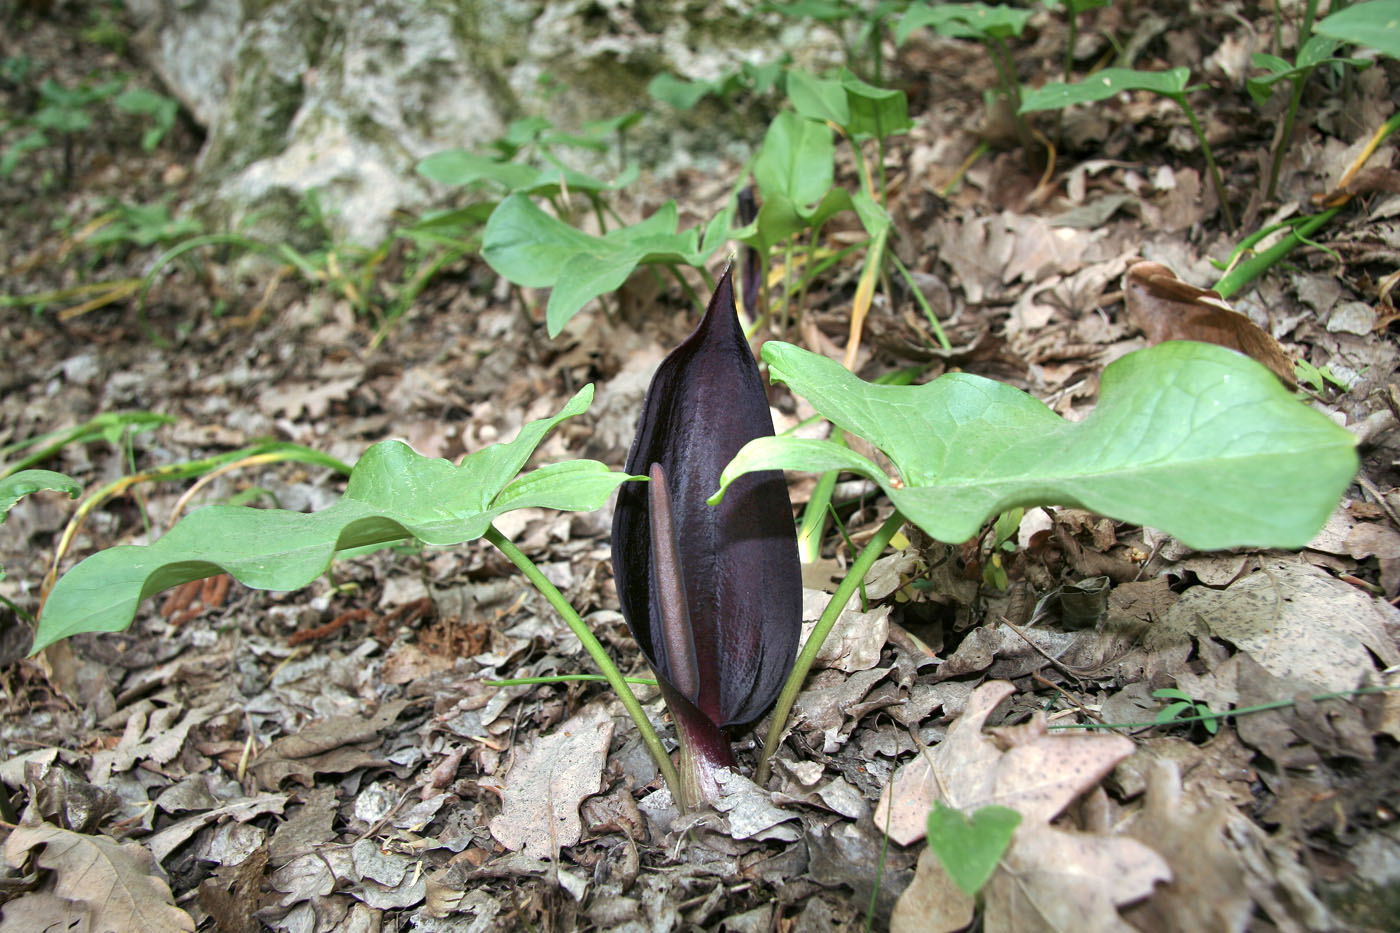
(393, 493)
(1191, 438)
(1101, 85)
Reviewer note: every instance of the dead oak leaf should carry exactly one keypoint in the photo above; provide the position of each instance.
(117, 883)
(1166, 308)
(1048, 879)
(1274, 616)
(544, 787)
(312, 397)
(330, 746)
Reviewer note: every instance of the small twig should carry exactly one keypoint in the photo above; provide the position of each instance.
(1062, 668)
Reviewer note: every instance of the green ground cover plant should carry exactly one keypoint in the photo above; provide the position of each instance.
(1191, 438)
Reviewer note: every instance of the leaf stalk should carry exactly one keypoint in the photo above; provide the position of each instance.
(596, 651)
(808, 656)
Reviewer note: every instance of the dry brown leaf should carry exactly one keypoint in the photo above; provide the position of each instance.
(1049, 879)
(544, 788)
(329, 746)
(44, 912)
(1207, 891)
(1167, 308)
(117, 882)
(1297, 621)
(932, 901)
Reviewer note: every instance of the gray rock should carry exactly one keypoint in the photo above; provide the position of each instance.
(346, 97)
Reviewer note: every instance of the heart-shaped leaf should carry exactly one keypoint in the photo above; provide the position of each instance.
(393, 493)
(1199, 441)
(970, 846)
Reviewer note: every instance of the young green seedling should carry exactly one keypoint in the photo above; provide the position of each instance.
(713, 595)
(990, 25)
(1316, 51)
(1110, 82)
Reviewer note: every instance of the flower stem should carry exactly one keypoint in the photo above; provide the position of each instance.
(854, 577)
(596, 651)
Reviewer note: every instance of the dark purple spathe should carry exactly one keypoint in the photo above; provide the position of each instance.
(732, 644)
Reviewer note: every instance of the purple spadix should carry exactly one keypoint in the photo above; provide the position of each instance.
(713, 594)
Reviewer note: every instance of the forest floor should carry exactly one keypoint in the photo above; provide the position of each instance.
(334, 758)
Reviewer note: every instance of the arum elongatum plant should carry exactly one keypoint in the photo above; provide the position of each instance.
(713, 594)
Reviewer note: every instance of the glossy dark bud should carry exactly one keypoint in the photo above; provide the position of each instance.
(752, 265)
(713, 594)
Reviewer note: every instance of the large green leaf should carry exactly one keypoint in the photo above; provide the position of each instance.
(460, 168)
(1101, 85)
(1375, 24)
(529, 247)
(1199, 441)
(876, 112)
(796, 160)
(795, 172)
(818, 98)
(393, 493)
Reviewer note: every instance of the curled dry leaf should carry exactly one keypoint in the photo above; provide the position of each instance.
(1166, 308)
(117, 884)
(1049, 878)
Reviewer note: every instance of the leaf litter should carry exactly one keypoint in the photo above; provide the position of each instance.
(218, 772)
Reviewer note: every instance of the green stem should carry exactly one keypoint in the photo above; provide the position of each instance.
(1259, 263)
(686, 286)
(1006, 71)
(854, 577)
(813, 242)
(813, 527)
(923, 303)
(596, 651)
(1225, 714)
(1215, 178)
(781, 315)
(1309, 17)
(1285, 133)
(1073, 17)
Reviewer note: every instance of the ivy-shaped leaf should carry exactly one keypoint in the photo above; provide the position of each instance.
(1199, 441)
(393, 493)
